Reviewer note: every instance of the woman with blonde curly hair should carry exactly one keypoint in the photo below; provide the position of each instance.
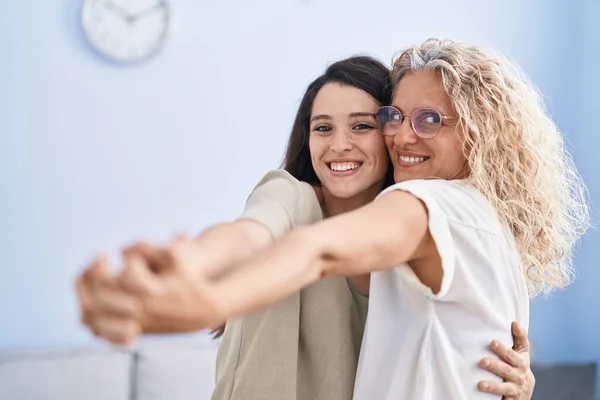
(485, 212)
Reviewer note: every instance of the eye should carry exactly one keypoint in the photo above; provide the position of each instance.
(322, 129)
(363, 127)
(429, 118)
(388, 115)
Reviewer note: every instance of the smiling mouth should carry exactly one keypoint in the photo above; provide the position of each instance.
(344, 166)
(409, 160)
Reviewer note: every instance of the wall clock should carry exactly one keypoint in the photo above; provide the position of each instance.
(126, 31)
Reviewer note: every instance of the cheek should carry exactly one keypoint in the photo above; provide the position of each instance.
(389, 144)
(315, 146)
(311, 144)
(384, 155)
(448, 152)
(376, 149)
(456, 153)
(457, 146)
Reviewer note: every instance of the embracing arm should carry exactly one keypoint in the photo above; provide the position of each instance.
(386, 233)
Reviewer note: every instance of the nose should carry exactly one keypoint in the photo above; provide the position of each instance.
(341, 141)
(405, 134)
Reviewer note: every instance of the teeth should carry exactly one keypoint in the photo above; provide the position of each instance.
(413, 160)
(344, 166)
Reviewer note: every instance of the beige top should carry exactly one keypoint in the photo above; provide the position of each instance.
(305, 347)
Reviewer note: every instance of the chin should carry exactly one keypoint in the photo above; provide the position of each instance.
(345, 192)
(403, 176)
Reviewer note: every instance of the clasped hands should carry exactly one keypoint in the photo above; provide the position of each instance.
(158, 290)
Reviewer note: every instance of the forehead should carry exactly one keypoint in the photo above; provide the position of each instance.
(421, 89)
(335, 98)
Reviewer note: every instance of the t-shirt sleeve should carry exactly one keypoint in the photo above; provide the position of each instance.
(281, 203)
(456, 213)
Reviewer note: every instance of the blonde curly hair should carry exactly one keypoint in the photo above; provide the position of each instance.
(515, 153)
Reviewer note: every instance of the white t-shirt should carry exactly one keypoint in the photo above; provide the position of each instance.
(423, 346)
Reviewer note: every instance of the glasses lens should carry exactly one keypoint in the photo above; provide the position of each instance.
(426, 122)
(388, 117)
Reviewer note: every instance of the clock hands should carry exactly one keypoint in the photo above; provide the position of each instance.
(124, 30)
(120, 11)
(126, 15)
(149, 10)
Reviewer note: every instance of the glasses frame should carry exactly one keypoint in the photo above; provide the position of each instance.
(445, 120)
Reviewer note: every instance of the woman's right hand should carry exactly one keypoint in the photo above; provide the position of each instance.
(155, 293)
(105, 308)
(175, 297)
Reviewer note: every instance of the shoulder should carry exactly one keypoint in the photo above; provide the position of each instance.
(458, 200)
(282, 202)
(436, 187)
(279, 179)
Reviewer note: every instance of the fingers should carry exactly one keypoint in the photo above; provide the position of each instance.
(114, 307)
(179, 254)
(122, 331)
(520, 339)
(106, 308)
(137, 277)
(507, 389)
(504, 370)
(508, 355)
(103, 293)
(109, 298)
(98, 269)
(157, 259)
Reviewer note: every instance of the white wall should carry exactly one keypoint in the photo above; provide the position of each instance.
(94, 155)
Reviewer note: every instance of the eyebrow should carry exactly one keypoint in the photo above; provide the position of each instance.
(352, 115)
(362, 114)
(441, 111)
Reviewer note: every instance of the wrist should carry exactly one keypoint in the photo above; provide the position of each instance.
(188, 306)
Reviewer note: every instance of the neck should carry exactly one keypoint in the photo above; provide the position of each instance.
(335, 205)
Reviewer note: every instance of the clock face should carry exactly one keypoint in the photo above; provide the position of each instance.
(126, 30)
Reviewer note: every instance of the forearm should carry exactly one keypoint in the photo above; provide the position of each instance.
(301, 258)
(358, 242)
(278, 204)
(225, 246)
(270, 276)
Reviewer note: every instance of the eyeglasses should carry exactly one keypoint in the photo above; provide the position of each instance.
(425, 122)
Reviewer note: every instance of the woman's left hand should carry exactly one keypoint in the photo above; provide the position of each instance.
(513, 366)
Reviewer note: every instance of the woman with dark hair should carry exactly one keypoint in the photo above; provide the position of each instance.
(364, 73)
(315, 334)
(306, 346)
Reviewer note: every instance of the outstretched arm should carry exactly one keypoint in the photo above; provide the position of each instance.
(388, 232)
(278, 203)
